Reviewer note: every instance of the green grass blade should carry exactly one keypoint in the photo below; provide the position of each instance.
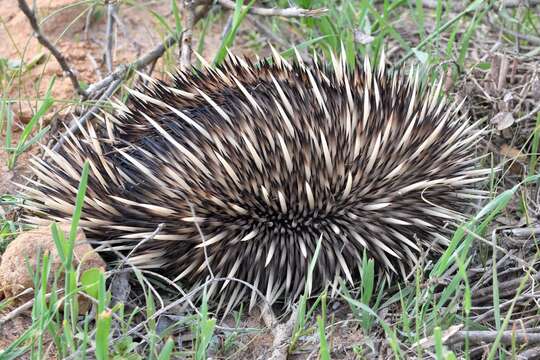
(534, 146)
(167, 350)
(240, 12)
(81, 193)
(102, 335)
(48, 101)
(324, 354)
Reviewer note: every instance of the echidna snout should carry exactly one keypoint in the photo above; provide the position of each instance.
(248, 166)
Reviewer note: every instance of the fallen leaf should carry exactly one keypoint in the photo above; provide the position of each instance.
(429, 341)
(503, 120)
(363, 38)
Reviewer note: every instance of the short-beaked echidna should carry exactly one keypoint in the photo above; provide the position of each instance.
(261, 161)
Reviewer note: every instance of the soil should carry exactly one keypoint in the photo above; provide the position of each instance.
(66, 26)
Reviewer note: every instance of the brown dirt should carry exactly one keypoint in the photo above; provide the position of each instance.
(65, 26)
(11, 330)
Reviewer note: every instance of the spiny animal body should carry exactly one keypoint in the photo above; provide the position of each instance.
(248, 166)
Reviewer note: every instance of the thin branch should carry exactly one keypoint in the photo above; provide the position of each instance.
(143, 241)
(506, 288)
(95, 65)
(187, 36)
(531, 39)
(289, 12)
(111, 10)
(138, 64)
(203, 240)
(20, 309)
(114, 79)
(204, 7)
(522, 232)
(533, 353)
(282, 333)
(489, 336)
(126, 33)
(516, 3)
(529, 115)
(432, 4)
(227, 27)
(88, 20)
(54, 51)
(88, 115)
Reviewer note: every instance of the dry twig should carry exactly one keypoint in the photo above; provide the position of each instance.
(289, 12)
(432, 4)
(138, 64)
(509, 336)
(142, 242)
(533, 353)
(506, 288)
(83, 119)
(114, 79)
(54, 51)
(187, 36)
(529, 115)
(516, 3)
(111, 10)
(20, 309)
(282, 332)
(522, 232)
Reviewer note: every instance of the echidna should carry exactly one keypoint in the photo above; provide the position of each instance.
(249, 165)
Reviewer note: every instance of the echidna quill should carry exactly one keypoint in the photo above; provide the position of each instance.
(249, 165)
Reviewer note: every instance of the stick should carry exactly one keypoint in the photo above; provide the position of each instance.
(83, 119)
(143, 241)
(522, 232)
(529, 115)
(20, 309)
(432, 4)
(478, 337)
(54, 51)
(533, 353)
(289, 12)
(531, 39)
(282, 333)
(111, 9)
(138, 64)
(516, 3)
(187, 36)
(114, 79)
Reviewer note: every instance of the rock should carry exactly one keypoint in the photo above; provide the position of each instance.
(14, 274)
(23, 112)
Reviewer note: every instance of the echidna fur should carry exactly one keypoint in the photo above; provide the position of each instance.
(249, 165)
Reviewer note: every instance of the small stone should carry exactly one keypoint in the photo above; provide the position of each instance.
(23, 112)
(25, 249)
